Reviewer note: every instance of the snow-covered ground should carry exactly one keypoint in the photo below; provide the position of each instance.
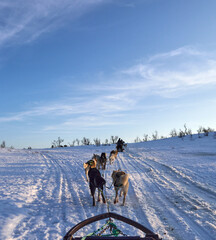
(172, 189)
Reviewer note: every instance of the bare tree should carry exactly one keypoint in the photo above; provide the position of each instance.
(72, 144)
(106, 142)
(186, 129)
(137, 139)
(114, 139)
(57, 143)
(199, 131)
(145, 137)
(85, 141)
(3, 145)
(155, 135)
(207, 131)
(181, 134)
(97, 141)
(173, 133)
(211, 129)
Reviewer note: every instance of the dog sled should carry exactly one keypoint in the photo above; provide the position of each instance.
(120, 148)
(115, 233)
(120, 145)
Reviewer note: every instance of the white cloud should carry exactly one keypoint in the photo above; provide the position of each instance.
(92, 106)
(24, 21)
(168, 75)
(183, 51)
(84, 122)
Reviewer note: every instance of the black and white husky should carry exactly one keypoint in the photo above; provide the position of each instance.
(96, 181)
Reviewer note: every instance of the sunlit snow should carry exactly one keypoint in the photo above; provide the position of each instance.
(172, 189)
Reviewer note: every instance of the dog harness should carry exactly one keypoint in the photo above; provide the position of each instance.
(90, 162)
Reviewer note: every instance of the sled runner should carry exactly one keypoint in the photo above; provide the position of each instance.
(114, 231)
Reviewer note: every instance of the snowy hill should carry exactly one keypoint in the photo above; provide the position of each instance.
(172, 189)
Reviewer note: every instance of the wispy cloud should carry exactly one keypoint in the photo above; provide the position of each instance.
(24, 21)
(111, 101)
(87, 121)
(168, 74)
(183, 68)
(183, 51)
(93, 106)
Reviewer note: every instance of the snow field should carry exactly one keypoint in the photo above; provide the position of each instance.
(172, 190)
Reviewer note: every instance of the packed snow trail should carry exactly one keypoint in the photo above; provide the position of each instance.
(172, 190)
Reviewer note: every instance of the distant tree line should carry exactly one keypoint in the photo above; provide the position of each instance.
(201, 131)
(84, 141)
(181, 133)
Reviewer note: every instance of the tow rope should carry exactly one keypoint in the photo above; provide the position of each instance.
(114, 231)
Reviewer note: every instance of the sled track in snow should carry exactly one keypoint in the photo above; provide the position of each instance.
(180, 182)
(71, 193)
(145, 187)
(135, 203)
(50, 200)
(131, 207)
(57, 197)
(170, 197)
(160, 197)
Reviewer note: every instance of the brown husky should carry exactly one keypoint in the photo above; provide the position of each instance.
(113, 156)
(120, 181)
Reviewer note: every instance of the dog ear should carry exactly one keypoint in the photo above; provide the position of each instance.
(85, 165)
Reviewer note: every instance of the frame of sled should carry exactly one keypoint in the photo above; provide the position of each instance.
(149, 234)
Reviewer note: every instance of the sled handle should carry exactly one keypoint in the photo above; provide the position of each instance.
(69, 235)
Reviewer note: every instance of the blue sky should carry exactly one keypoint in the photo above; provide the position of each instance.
(97, 68)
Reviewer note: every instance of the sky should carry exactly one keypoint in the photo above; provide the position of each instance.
(102, 68)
